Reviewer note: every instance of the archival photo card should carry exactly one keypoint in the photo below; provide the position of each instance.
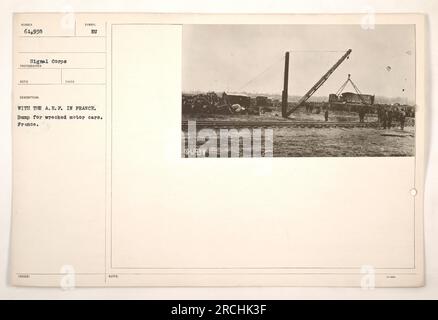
(314, 126)
(298, 90)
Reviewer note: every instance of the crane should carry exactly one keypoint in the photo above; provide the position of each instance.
(316, 86)
(338, 93)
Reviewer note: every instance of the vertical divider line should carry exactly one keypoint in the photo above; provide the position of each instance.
(111, 155)
(106, 152)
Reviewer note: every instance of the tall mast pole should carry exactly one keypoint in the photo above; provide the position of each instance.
(284, 95)
(318, 84)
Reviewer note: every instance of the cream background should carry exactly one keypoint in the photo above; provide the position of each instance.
(307, 222)
(304, 212)
(250, 292)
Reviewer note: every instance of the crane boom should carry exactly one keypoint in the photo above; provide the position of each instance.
(319, 83)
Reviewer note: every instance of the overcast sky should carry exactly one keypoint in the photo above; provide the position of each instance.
(250, 58)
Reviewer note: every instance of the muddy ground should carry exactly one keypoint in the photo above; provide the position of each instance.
(331, 142)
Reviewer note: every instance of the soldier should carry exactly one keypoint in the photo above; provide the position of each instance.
(326, 114)
(380, 112)
(361, 114)
(385, 118)
(402, 119)
(389, 118)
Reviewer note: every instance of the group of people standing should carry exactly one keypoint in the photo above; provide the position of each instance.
(386, 117)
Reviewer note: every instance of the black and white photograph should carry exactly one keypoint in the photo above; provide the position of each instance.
(298, 90)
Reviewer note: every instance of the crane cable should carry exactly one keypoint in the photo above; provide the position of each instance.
(282, 58)
(341, 89)
(261, 73)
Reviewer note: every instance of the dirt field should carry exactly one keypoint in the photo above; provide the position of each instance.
(342, 142)
(331, 142)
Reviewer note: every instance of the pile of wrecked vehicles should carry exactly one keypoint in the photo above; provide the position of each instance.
(211, 103)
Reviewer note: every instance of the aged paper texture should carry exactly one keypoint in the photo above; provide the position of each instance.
(218, 150)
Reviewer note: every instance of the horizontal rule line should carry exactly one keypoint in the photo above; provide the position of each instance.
(64, 84)
(31, 52)
(72, 36)
(260, 268)
(61, 68)
(213, 273)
